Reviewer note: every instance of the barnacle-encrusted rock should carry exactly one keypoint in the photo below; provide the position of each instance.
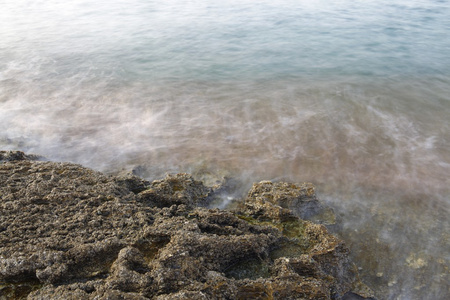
(67, 232)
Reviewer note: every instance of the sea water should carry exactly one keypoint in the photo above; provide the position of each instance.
(353, 96)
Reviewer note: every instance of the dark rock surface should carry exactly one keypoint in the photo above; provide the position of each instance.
(17, 155)
(68, 232)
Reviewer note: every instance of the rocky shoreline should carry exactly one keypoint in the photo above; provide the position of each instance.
(68, 232)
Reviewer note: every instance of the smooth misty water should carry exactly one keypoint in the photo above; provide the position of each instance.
(353, 96)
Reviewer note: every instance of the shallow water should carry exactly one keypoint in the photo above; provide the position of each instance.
(353, 97)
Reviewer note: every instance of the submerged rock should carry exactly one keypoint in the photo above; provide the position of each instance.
(67, 232)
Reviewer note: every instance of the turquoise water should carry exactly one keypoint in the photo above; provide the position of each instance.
(352, 96)
(208, 40)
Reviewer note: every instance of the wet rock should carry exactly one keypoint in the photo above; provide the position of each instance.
(17, 155)
(67, 232)
(132, 183)
(300, 199)
(176, 189)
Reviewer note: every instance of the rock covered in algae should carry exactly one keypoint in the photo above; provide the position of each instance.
(176, 189)
(300, 199)
(67, 232)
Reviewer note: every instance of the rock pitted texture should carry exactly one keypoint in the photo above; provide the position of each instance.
(300, 199)
(67, 232)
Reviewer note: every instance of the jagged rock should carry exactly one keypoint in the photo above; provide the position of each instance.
(300, 199)
(176, 189)
(132, 183)
(67, 232)
(307, 248)
(17, 155)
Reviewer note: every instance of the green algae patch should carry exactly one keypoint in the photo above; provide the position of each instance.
(252, 268)
(261, 221)
(292, 228)
(288, 249)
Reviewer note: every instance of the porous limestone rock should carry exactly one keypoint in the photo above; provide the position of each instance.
(299, 198)
(176, 189)
(68, 232)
